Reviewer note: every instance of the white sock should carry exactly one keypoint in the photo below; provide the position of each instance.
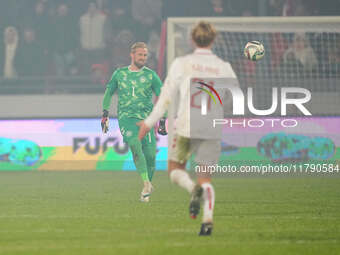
(208, 202)
(182, 179)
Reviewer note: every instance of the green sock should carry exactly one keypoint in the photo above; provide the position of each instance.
(139, 158)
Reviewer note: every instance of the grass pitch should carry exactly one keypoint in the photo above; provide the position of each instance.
(99, 213)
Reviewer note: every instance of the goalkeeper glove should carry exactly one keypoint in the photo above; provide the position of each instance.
(105, 121)
(161, 127)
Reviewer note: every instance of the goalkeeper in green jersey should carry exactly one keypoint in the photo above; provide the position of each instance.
(134, 85)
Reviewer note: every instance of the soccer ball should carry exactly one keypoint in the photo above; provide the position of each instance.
(254, 50)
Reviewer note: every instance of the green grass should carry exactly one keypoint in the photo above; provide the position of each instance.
(84, 213)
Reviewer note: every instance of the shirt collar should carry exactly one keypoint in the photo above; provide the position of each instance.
(203, 51)
(129, 68)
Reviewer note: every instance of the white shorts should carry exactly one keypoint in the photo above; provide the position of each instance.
(207, 151)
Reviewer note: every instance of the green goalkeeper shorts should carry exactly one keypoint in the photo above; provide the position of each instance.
(129, 130)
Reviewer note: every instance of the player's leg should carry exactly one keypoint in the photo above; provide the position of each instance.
(178, 175)
(149, 149)
(141, 166)
(179, 154)
(138, 158)
(208, 197)
(129, 131)
(207, 154)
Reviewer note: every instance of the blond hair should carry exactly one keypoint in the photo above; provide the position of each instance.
(203, 34)
(138, 45)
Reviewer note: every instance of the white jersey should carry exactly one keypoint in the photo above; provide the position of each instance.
(201, 63)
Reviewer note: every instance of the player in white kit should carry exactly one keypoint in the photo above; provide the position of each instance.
(207, 147)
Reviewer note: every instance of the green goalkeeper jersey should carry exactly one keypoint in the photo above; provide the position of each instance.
(134, 90)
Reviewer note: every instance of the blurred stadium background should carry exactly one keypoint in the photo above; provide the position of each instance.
(55, 59)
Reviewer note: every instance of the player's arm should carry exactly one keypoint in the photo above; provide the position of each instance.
(156, 84)
(110, 89)
(156, 87)
(168, 90)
